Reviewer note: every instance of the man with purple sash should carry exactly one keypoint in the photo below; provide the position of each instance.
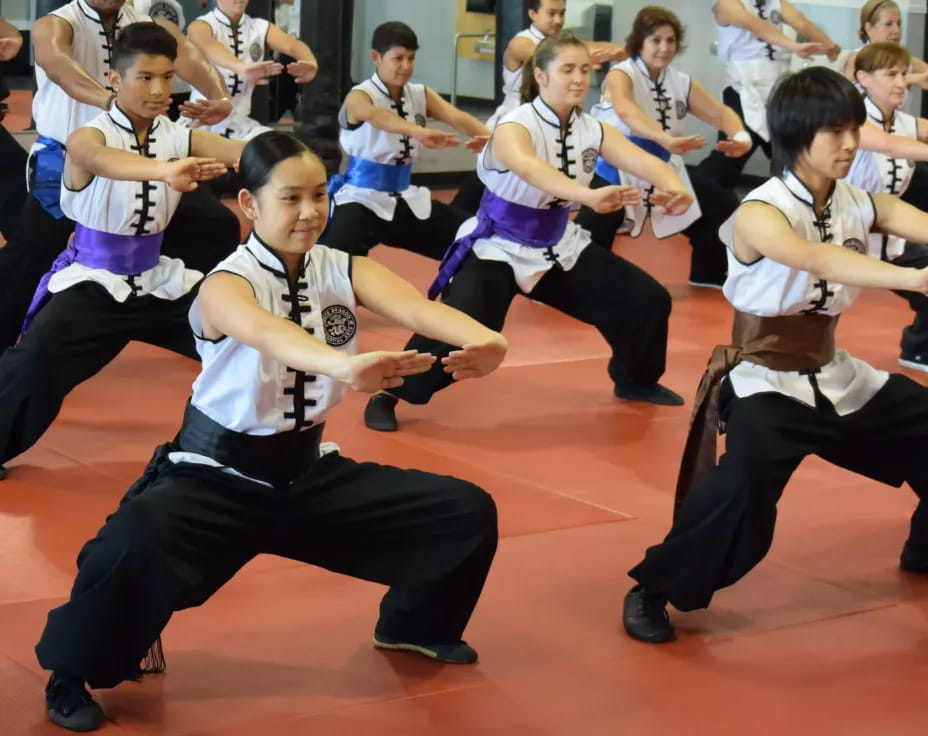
(522, 242)
(73, 53)
(383, 130)
(122, 182)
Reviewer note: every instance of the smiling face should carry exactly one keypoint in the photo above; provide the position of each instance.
(290, 210)
(549, 18)
(886, 87)
(831, 153)
(565, 80)
(659, 48)
(886, 25)
(143, 88)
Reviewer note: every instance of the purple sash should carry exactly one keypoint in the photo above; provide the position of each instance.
(120, 254)
(528, 226)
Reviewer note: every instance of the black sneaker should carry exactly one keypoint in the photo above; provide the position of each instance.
(916, 361)
(654, 394)
(644, 615)
(70, 705)
(380, 413)
(458, 652)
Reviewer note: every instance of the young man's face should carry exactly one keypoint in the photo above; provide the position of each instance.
(144, 89)
(232, 8)
(832, 151)
(549, 18)
(396, 66)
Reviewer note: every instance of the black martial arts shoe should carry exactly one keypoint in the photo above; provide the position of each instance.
(70, 705)
(380, 413)
(654, 394)
(910, 562)
(458, 652)
(916, 361)
(644, 615)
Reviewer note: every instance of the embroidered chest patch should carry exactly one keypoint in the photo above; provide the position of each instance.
(588, 160)
(855, 245)
(420, 120)
(680, 107)
(339, 324)
(255, 51)
(776, 17)
(164, 10)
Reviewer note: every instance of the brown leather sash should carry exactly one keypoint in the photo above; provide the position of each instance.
(802, 342)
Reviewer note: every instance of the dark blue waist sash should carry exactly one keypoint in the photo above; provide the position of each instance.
(528, 226)
(651, 147)
(47, 165)
(371, 175)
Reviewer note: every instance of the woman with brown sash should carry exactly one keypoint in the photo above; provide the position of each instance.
(797, 259)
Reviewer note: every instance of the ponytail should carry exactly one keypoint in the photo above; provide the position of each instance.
(529, 89)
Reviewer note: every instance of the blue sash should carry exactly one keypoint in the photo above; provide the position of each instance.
(371, 175)
(656, 149)
(607, 171)
(47, 167)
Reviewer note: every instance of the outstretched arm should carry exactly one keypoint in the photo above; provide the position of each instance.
(732, 13)
(219, 54)
(619, 92)
(358, 108)
(305, 67)
(228, 307)
(876, 139)
(89, 156)
(461, 121)
(708, 109)
(762, 230)
(625, 155)
(211, 145)
(385, 293)
(807, 29)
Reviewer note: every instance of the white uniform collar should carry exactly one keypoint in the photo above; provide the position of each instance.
(226, 20)
(119, 118)
(875, 114)
(544, 111)
(801, 192)
(94, 15)
(536, 34)
(382, 87)
(269, 260)
(643, 68)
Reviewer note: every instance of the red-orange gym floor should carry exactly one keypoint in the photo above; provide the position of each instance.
(826, 636)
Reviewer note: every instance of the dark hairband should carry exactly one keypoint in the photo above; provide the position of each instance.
(877, 7)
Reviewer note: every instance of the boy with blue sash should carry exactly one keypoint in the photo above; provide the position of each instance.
(383, 130)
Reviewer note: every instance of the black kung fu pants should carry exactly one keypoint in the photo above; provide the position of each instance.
(355, 229)
(628, 307)
(724, 527)
(78, 332)
(183, 530)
